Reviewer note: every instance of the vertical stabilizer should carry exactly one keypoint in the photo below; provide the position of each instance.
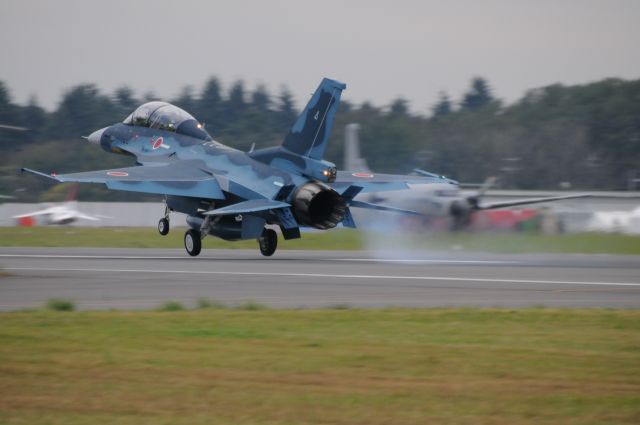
(310, 133)
(352, 159)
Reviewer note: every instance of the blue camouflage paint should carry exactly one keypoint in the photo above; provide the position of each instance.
(310, 133)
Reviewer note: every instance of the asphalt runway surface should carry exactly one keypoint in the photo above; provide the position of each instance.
(147, 278)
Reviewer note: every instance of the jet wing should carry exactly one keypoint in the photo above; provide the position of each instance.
(34, 213)
(506, 204)
(373, 182)
(180, 178)
(86, 216)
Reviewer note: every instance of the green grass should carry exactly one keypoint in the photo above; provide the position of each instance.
(149, 238)
(60, 305)
(337, 239)
(209, 303)
(400, 366)
(252, 306)
(171, 306)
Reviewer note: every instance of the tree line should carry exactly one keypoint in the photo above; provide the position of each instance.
(579, 137)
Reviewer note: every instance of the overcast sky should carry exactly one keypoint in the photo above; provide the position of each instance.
(381, 49)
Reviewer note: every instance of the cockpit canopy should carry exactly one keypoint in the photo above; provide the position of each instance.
(167, 117)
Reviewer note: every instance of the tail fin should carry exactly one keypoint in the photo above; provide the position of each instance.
(352, 159)
(310, 133)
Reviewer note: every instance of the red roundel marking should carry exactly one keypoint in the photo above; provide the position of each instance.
(117, 173)
(363, 175)
(157, 143)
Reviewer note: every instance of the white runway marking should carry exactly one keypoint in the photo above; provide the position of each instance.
(328, 276)
(106, 257)
(184, 257)
(422, 261)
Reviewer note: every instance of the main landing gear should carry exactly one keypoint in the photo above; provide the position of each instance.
(193, 237)
(193, 242)
(268, 242)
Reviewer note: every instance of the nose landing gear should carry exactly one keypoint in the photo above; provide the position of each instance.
(163, 224)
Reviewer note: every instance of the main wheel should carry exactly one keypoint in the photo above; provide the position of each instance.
(163, 226)
(268, 242)
(192, 242)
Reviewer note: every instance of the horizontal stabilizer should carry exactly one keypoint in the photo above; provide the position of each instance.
(252, 205)
(374, 182)
(360, 204)
(351, 192)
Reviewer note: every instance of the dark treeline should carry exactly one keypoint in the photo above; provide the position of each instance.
(583, 137)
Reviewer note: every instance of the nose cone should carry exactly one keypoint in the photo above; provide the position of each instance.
(96, 136)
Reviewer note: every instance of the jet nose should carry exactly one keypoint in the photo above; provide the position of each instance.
(96, 136)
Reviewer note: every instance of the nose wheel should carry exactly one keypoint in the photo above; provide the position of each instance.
(268, 242)
(163, 226)
(193, 242)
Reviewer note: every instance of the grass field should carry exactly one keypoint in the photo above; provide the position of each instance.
(229, 366)
(336, 239)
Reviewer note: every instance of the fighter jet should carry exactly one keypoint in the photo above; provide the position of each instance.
(442, 199)
(237, 195)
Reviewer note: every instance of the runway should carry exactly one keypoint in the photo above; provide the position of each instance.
(146, 278)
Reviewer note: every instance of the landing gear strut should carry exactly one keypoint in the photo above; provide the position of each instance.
(193, 242)
(163, 224)
(268, 242)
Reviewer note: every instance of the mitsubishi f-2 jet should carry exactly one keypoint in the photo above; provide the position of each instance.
(237, 195)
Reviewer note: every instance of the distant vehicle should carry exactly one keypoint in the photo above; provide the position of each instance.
(626, 222)
(435, 202)
(235, 195)
(59, 213)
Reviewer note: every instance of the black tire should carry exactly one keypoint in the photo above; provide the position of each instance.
(268, 242)
(163, 226)
(192, 242)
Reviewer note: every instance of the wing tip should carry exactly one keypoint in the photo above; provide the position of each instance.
(51, 176)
